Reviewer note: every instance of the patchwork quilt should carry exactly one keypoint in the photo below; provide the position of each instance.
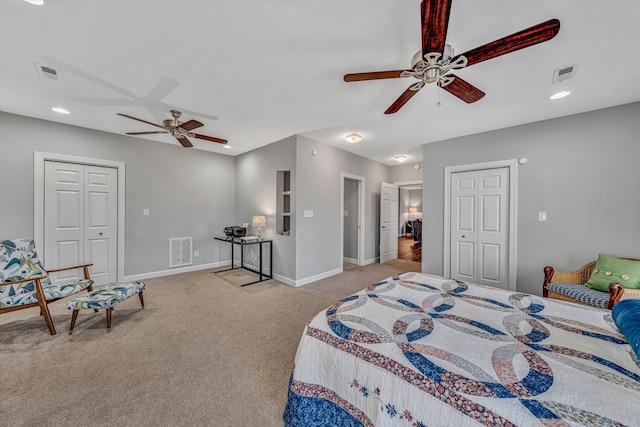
(421, 350)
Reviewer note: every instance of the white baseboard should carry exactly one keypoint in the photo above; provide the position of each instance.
(371, 261)
(163, 273)
(350, 260)
(307, 280)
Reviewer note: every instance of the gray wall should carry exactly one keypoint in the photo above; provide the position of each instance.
(582, 170)
(318, 239)
(256, 173)
(405, 172)
(350, 221)
(188, 192)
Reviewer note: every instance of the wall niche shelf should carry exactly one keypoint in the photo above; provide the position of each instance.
(283, 203)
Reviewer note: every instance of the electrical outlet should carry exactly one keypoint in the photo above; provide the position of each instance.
(196, 254)
(145, 212)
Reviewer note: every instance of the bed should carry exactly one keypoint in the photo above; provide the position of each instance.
(422, 350)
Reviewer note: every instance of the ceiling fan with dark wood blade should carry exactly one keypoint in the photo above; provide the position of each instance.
(436, 60)
(179, 130)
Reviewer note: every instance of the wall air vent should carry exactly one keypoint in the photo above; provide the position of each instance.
(47, 71)
(180, 251)
(564, 73)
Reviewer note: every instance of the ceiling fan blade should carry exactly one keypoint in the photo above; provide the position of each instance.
(184, 141)
(145, 133)
(464, 90)
(402, 99)
(191, 124)
(525, 38)
(210, 138)
(434, 16)
(373, 75)
(140, 120)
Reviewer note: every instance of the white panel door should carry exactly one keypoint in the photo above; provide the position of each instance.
(80, 220)
(64, 218)
(100, 225)
(464, 235)
(388, 222)
(480, 227)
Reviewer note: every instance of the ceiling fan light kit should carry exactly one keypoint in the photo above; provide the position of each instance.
(177, 129)
(435, 62)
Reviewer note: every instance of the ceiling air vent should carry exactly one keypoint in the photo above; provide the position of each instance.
(564, 73)
(47, 71)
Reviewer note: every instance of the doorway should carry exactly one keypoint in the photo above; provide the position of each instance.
(410, 221)
(79, 214)
(352, 215)
(480, 223)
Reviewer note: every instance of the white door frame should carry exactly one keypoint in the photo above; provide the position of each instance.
(38, 196)
(512, 164)
(361, 216)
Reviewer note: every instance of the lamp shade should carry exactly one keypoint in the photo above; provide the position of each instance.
(259, 221)
(412, 210)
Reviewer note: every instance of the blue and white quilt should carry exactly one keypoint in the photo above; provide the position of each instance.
(421, 350)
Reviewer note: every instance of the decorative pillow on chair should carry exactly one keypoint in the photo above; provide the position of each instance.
(609, 269)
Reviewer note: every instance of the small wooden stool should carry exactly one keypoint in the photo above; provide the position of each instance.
(105, 297)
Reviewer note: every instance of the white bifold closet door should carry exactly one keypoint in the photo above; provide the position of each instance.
(480, 227)
(80, 220)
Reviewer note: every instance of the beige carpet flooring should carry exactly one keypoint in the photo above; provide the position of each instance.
(204, 351)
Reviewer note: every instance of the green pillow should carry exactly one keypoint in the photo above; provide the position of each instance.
(609, 269)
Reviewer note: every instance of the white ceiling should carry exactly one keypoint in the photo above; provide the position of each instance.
(268, 69)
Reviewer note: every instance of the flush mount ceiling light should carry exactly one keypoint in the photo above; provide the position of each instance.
(60, 109)
(226, 147)
(35, 2)
(401, 158)
(559, 95)
(353, 138)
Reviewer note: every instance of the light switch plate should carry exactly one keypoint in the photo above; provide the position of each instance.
(145, 212)
(542, 216)
(308, 213)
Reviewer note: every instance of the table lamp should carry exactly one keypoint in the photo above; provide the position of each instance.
(259, 221)
(412, 211)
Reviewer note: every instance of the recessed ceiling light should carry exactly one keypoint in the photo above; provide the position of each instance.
(228, 147)
(559, 95)
(35, 2)
(353, 138)
(60, 110)
(401, 158)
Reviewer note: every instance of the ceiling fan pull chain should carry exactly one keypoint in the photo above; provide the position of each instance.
(438, 104)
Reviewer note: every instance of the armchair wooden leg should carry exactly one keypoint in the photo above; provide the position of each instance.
(47, 319)
(109, 310)
(44, 308)
(74, 316)
(141, 299)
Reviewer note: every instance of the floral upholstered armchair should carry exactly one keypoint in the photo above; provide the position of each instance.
(24, 283)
